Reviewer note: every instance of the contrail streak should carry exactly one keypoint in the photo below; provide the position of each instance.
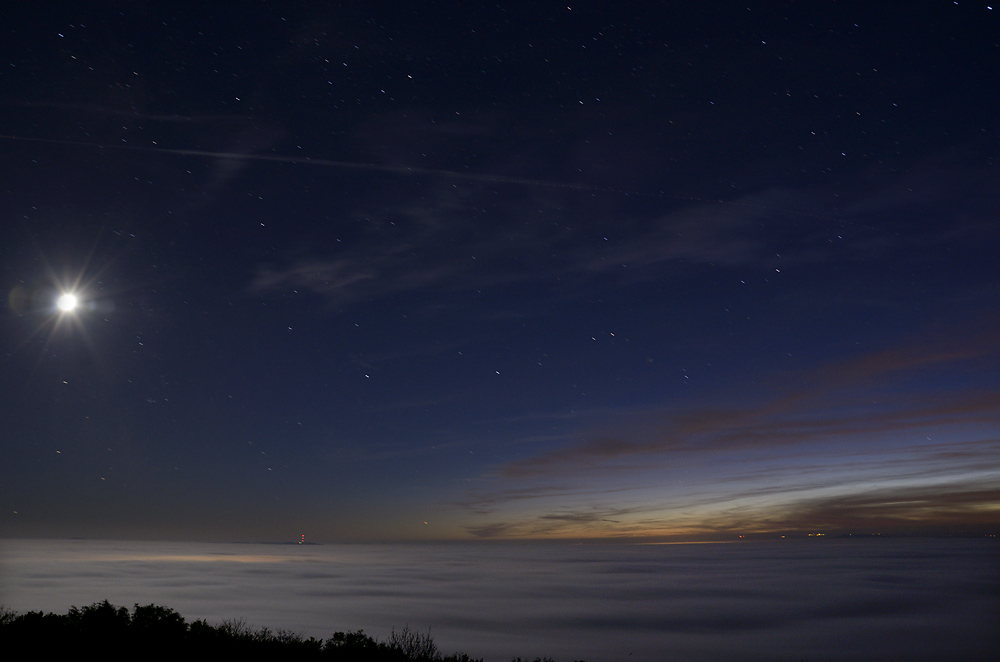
(329, 163)
(453, 174)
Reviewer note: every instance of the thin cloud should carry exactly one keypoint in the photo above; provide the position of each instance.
(846, 445)
(465, 238)
(832, 401)
(951, 508)
(714, 431)
(934, 509)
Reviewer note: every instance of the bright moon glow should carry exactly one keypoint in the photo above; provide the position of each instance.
(66, 302)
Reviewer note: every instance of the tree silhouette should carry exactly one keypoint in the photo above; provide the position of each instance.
(154, 630)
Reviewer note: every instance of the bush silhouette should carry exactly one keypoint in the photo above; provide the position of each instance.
(161, 631)
(413, 645)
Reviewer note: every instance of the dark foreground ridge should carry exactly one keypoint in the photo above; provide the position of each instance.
(161, 631)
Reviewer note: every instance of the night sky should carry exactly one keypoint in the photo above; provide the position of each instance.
(367, 271)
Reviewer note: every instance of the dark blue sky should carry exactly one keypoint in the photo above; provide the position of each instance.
(470, 270)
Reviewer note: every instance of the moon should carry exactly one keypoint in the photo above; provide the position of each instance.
(67, 302)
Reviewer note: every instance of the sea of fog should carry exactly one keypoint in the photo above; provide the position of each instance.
(815, 599)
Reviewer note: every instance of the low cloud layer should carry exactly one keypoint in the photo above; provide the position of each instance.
(847, 600)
